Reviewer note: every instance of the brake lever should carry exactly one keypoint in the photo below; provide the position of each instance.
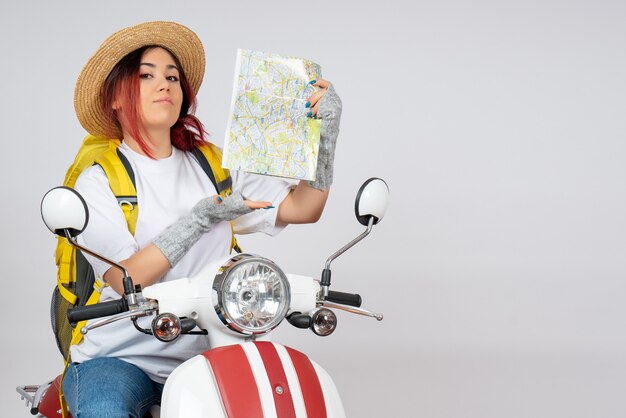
(144, 308)
(350, 309)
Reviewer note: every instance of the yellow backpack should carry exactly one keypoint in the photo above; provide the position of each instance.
(76, 283)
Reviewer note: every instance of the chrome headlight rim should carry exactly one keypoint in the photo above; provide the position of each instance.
(220, 279)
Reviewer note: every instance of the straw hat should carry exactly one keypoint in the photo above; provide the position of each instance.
(178, 39)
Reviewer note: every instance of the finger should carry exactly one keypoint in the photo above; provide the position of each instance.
(315, 97)
(252, 204)
(217, 199)
(313, 101)
(314, 110)
(321, 83)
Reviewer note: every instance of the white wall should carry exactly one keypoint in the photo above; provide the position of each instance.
(500, 129)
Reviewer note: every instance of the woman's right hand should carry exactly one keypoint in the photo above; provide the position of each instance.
(251, 204)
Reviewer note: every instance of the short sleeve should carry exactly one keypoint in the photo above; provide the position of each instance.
(107, 231)
(260, 188)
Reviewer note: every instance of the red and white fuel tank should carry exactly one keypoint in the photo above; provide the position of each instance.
(251, 380)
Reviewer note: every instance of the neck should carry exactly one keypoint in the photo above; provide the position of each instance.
(160, 144)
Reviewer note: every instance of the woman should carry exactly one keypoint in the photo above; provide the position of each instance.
(140, 86)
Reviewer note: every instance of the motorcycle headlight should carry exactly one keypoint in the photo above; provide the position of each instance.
(251, 294)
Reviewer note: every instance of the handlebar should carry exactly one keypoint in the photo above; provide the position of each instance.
(350, 299)
(82, 313)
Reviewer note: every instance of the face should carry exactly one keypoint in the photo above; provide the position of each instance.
(161, 94)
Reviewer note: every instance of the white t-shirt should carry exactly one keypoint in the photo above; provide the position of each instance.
(167, 189)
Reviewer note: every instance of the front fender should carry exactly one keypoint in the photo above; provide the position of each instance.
(249, 380)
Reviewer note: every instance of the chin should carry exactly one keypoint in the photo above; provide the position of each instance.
(160, 124)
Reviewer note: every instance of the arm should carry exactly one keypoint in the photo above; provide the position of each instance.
(146, 267)
(108, 234)
(306, 202)
(152, 262)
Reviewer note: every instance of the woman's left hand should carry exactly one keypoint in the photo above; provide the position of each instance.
(315, 100)
(325, 105)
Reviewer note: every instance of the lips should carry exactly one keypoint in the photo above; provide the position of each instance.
(164, 100)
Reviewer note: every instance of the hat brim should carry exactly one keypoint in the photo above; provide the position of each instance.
(178, 39)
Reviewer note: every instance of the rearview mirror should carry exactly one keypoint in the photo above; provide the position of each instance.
(371, 201)
(64, 210)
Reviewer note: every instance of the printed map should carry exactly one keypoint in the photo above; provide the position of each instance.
(268, 130)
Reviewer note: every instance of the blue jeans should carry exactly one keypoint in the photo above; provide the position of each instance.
(109, 387)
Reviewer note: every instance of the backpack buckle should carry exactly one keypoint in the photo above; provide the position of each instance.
(99, 284)
(127, 200)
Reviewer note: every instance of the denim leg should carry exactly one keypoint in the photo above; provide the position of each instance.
(109, 387)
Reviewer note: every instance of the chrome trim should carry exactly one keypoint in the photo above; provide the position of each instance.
(126, 280)
(351, 309)
(33, 394)
(147, 308)
(314, 318)
(174, 319)
(74, 242)
(350, 244)
(370, 225)
(217, 293)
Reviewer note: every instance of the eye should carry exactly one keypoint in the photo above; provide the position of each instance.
(172, 78)
(145, 75)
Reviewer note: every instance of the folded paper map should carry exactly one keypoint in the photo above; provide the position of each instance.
(268, 129)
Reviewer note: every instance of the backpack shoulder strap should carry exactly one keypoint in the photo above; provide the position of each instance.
(89, 150)
(122, 181)
(209, 156)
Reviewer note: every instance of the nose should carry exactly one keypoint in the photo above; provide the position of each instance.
(164, 85)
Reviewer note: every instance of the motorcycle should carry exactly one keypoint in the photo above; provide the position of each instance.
(237, 301)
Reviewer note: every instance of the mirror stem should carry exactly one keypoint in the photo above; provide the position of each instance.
(351, 244)
(325, 283)
(128, 284)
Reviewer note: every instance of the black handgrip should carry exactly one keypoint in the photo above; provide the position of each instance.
(351, 299)
(98, 310)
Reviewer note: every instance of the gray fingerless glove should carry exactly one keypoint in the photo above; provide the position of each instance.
(329, 113)
(179, 237)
